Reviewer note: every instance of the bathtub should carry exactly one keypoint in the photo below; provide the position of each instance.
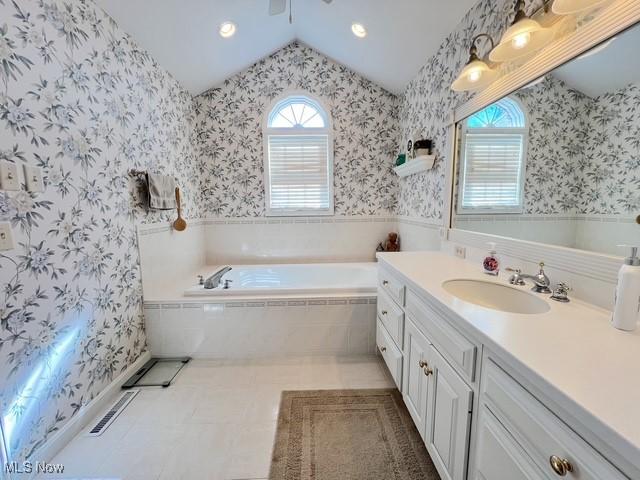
(293, 279)
(270, 311)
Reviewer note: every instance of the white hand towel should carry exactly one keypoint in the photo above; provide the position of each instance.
(162, 191)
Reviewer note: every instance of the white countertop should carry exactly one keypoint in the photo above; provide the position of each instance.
(584, 364)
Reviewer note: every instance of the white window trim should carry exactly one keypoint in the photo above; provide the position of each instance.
(266, 131)
(460, 210)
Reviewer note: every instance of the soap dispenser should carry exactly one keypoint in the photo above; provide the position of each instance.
(491, 264)
(626, 311)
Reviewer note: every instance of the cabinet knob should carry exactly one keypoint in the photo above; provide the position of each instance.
(422, 364)
(560, 465)
(384, 282)
(384, 312)
(383, 349)
(427, 370)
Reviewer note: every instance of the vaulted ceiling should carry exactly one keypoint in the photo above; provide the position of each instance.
(183, 34)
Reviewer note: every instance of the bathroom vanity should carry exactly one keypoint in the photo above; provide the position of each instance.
(503, 395)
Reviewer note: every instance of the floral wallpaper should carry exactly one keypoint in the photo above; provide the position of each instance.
(365, 122)
(609, 180)
(79, 99)
(429, 101)
(558, 129)
(583, 152)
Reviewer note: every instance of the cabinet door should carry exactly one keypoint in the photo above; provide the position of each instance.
(448, 418)
(416, 382)
(498, 456)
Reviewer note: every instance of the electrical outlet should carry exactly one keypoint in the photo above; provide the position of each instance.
(6, 237)
(33, 179)
(460, 252)
(9, 176)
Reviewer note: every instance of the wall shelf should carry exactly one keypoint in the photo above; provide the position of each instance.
(416, 165)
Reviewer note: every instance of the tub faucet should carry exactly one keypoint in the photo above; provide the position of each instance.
(216, 279)
(540, 280)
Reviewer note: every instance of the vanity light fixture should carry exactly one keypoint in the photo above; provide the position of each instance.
(227, 29)
(569, 7)
(477, 73)
(524, 37)
(358, 30)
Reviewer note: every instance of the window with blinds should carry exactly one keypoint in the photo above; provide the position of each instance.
(492, 160)
(299, 159)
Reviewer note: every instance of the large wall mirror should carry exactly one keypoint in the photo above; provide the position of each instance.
(558, 161)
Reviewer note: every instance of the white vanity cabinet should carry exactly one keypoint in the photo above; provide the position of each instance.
(475, 417)
(390, 323)
(436, 360)
(449, 406)
(550, 445)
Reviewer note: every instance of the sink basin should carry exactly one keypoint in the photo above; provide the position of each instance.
(496, 296)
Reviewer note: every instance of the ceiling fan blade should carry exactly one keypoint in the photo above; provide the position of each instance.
(276, 7)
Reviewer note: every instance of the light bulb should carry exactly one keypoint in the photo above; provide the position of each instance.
(521, 40)
(227, 29)
(359, 30)
(474, 75)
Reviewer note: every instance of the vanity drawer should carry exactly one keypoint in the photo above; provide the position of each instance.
(391, 354)
(540, 433)
(392, 317)
(392, 286)
(459, 351)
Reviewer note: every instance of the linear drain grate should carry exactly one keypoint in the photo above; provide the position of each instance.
(113, 412)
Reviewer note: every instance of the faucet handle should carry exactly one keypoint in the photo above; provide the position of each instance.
(200, 280)
(560, 293)
(516, 278)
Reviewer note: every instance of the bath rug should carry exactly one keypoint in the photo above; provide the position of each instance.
(348, 435)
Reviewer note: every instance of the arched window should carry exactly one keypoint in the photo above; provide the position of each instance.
(492, 159)
(298, 158)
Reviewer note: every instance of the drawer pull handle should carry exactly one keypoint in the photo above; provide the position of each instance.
(384, 312)
(385, 282)
(560, 465)
(427, 370)
(383, 349)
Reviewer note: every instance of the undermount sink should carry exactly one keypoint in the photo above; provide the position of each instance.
(496, 296)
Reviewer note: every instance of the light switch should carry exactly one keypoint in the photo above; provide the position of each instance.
(9, 176)
(33, 179)
(6, 237)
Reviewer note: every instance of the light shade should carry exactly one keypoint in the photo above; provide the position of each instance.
(474, 76)
(568, 7)
(523, 38)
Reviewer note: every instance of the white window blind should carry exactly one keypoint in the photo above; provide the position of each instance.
(492, 176)
(299, 174)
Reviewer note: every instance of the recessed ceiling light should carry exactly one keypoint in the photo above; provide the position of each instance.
(359, 30)
(227, 29)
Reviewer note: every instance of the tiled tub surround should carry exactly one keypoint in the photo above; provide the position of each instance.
(276, 327)
(169, 258)
(570, 374)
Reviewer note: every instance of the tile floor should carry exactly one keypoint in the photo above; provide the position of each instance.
(217, 421)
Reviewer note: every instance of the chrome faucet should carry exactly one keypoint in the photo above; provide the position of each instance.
(216, 279)
(540, 280)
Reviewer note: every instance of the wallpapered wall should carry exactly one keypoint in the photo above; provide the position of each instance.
(583, 152)
(428, 102)
(77, 97)
(365, 121)
(610, 165)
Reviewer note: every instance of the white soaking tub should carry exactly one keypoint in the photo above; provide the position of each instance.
(293, 279)
(270, 311)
